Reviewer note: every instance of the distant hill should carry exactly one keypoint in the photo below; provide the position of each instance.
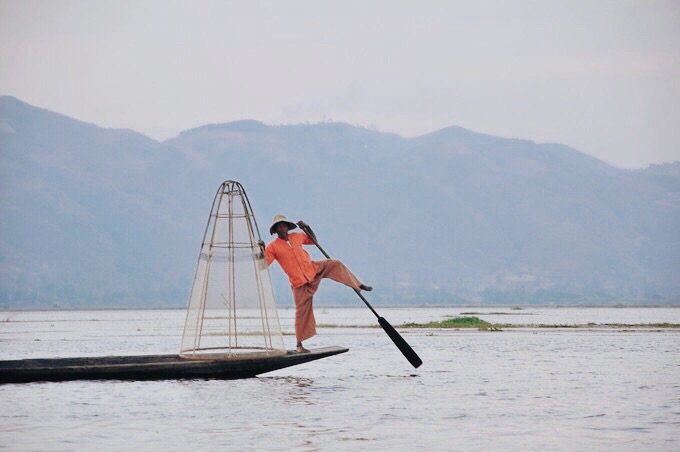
(108, 217)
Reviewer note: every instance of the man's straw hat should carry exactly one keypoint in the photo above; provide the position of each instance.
(278, 219)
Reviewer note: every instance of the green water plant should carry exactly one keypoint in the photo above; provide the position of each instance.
(456, 322)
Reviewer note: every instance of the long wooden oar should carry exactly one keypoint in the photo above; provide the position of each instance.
(399, 341)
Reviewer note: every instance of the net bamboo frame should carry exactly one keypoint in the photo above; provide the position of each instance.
(232, 311)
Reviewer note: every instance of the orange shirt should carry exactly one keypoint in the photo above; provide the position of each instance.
(292, 258)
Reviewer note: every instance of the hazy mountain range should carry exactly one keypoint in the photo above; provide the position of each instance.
(108, 217)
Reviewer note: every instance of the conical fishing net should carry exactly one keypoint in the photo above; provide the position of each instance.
(232, 312)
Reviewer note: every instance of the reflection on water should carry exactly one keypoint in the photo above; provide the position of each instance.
(297, 389)
(543, 389)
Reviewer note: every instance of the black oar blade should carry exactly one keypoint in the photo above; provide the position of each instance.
(401, 344)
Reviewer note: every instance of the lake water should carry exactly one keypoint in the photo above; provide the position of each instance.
(558, 389)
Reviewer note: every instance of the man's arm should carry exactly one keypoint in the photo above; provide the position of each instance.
(308, 240)
(269, 253)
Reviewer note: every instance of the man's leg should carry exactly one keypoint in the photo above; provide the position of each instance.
(337, 271)
(305, 324)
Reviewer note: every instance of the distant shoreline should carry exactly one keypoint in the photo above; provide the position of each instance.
(494, 327)
(515, 307)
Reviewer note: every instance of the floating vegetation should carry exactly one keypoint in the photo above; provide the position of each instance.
(633, 325)
(8, 318)
(456, 322)
(599, 325)
(468, 321)
(333, 325)
(496, 313)
(483, 325)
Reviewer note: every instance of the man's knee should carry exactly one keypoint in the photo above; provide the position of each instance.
(334, 263)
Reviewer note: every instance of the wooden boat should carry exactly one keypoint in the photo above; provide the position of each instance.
(231, 329)
(151, 367)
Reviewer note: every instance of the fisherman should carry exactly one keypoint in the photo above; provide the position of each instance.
(303, 273)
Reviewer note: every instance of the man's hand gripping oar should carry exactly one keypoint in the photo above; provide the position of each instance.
(399, 341)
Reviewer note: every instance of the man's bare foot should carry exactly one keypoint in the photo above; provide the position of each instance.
(365, 287)
(301, 349)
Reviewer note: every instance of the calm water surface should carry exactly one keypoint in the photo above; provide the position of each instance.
(529, 389)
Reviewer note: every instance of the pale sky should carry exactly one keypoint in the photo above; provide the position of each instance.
(601, 76)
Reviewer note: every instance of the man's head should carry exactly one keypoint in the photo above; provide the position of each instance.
(281, 226)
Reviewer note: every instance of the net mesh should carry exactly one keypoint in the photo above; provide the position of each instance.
(232, 312)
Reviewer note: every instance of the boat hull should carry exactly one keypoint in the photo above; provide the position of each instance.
(151, 367)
